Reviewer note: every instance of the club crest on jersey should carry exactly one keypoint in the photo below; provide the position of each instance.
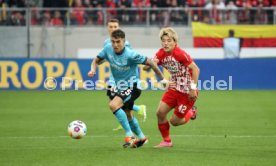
(173, 69)
(123, 62)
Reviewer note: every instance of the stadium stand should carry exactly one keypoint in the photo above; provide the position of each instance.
(137, 12)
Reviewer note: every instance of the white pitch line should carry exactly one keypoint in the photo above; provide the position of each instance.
(105, 136)
(230, 136)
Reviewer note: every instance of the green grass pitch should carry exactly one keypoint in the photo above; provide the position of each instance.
(232, 128)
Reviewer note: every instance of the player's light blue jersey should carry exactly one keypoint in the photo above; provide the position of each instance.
(124, 66)
(107, 41)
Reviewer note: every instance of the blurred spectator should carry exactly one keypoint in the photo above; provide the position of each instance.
(3, 12)
(17, 19)
(111, 12)
(79, 12)
(46, 18)
(89, 12)
(56, 20)
(165, 14)
(232, 45)
(35, 16)
(215, 9)
(261, 14)
(154, 14)
(72, 19)
(197, 15)
(178, 16)
(140, 15)
(100, 15)
(252, 12)
(243, 15)
(252, 15)
(87, 4)
(123, 14)
(166, 18)
(231, 13)
(270, 12)
(58, 4)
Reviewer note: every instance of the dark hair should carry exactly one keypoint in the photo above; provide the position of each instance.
(118, 34)
(231, 33)
(113, 20)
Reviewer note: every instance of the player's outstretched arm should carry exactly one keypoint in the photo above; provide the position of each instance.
(195, 74)
(147, 67)
(155, 68)
(153, 65)
(96, 61)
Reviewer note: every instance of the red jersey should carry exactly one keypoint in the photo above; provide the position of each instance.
(177, 64)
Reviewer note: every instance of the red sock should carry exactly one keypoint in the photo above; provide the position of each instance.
(164, 129)
(188, 115)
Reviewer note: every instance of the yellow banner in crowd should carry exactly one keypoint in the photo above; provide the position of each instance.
(244, 31)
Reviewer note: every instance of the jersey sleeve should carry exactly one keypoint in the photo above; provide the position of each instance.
(138, 58)
(184, 58)
(102, 54)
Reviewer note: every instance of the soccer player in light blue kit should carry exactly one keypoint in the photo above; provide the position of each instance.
(113, 24)
(123, 63)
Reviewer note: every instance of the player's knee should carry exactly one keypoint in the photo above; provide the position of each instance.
(174, 123)
(113, 107)
(159, 114)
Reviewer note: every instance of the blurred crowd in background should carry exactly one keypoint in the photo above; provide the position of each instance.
(129, 12)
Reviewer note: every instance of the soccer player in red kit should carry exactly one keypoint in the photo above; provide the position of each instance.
(182, 92)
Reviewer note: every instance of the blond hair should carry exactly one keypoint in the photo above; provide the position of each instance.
(170, 32)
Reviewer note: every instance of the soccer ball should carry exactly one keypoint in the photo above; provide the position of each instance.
(77, 129)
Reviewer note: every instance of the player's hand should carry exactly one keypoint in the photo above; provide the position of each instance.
(193, 95)
(165, 84)
(91, 73)
(172, 85)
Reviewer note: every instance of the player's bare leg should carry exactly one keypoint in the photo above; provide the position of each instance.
(163, 125)
(176, 121)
